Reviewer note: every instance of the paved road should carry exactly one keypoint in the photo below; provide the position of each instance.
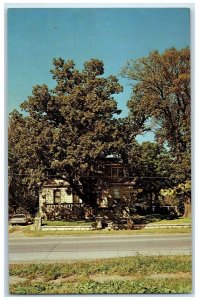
(75, 248)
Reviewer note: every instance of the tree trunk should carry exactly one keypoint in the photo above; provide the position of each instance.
(151, 201)
(187, 207)
(85, 191)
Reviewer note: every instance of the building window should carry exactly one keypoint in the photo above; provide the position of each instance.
(116, 193)
(57, 196)
(117, 172)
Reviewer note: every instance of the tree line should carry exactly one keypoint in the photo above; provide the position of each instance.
(70, 129)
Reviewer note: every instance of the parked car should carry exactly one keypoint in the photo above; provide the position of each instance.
(22, 219)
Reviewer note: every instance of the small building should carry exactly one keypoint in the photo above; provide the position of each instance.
(118, 185)
(114, 186)
(56, 193)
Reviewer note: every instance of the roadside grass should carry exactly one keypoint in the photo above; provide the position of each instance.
(159, 218)
(26, 230)
(14, 229)
(128, 275)
(153, 218)
(31, 233)
(179, 220)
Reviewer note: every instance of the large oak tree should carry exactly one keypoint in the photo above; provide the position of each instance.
(161, 97)
(68, 130)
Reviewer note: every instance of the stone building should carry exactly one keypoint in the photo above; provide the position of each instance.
(114, 186)
(56, 192)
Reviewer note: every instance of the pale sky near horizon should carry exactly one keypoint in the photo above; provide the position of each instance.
(36, 35)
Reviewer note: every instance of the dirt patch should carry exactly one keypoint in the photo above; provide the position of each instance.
(104, 278)
(101, 278)
(38, 279)
(72, 278)
(170, 275)
(17, 279)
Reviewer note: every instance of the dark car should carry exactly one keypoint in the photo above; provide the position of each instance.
(22, 219)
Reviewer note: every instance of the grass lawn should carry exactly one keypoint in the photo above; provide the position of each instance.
(19, 230)
(129, 275)
(179, 220)
(156, 219)
(26, 230)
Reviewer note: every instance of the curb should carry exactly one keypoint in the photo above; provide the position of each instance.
(136, 226)
(160, 226)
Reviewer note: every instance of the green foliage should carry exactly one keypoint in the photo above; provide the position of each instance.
(161, 102)
(36, 288)
(79, 277)
(180, 220)
(144, 286)
(122, 266)
(26, 231)
(182, 192)
(161, 99)
(180, 189)
(136, 287)
(150, 165)
(67, 131)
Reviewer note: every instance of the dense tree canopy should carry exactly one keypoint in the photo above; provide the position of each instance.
(28, 159)
(161, 98)
(161, 101)
(150, 166)
(70, 129)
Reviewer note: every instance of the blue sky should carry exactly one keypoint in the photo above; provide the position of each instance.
(114, 35)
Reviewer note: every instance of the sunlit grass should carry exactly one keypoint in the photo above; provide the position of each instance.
(179, 220)
(26, 230)
(138, 274)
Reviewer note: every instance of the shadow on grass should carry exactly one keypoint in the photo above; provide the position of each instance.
(151, 218)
